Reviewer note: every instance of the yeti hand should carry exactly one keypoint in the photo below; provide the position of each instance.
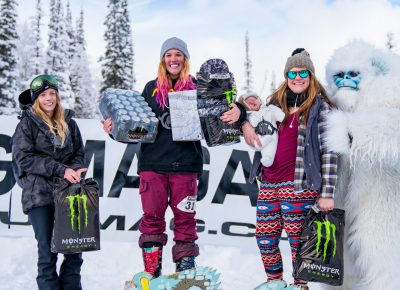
(337, 135)
(255, 118)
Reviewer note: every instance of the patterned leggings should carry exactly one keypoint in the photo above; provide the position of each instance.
(279, 207)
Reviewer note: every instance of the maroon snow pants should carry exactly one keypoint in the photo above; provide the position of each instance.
(179, 191)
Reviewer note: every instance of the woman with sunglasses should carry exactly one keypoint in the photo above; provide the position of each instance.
(303, 172)
(47, 144)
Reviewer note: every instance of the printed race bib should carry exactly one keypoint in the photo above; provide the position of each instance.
(188, 204)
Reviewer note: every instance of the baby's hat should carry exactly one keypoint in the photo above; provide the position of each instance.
(242, 99)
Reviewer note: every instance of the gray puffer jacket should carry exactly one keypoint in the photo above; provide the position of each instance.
(39, 159)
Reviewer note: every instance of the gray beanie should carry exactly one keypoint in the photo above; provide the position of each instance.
(300, 58)
(176, 43)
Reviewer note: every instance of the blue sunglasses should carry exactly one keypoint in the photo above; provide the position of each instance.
(303, 74)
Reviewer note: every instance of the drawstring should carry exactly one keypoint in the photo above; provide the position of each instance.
(295, 106)
(9, 211)
(164, 102)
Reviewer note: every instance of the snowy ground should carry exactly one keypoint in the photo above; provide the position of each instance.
(116, 262)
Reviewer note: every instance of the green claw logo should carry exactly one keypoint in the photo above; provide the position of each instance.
(75, 199)
(230, 95)
(328, 227)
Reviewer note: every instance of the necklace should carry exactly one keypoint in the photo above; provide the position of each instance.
(295, 106)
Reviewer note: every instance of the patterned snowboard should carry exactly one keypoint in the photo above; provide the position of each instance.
(200, 278)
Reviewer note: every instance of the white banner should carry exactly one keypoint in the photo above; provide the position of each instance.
(225, 214)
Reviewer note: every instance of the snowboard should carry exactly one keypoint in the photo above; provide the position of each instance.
(216, 91)
(199, 278)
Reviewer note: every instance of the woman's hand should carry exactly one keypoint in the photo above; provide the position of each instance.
(231, 116)
(325, 204)
(250, 135)
(107, 125)
(73, 176)
(80, 171)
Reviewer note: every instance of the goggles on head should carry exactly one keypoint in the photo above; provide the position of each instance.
(43, 82)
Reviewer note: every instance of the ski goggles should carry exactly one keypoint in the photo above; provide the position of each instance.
(293, 74)
(43, 82)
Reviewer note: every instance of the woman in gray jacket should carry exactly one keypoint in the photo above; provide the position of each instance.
(47, 144)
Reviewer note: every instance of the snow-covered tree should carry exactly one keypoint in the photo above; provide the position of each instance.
(26, 53)
(390, 44)
(248, 81)
(81, 78)
(273, 82)
(8, 57)
(70, 33)
(37, 61)
(58, 63)
(117, 63)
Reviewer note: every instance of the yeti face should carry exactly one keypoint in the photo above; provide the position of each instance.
(348, 80)
(360, 76)
(347, 86)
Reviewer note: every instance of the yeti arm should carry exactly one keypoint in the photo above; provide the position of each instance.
(376, 137)
(338, 132)
(329, 158)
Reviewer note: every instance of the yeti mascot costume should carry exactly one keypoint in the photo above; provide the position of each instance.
(364, 82)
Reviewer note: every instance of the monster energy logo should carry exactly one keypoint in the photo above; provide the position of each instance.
(76, 199)
(328, 227)
(229, 95)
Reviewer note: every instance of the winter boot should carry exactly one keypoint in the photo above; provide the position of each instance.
(152, 258)
(272, 285)
(185, 263)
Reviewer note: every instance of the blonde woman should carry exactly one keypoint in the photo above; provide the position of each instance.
(47, 144)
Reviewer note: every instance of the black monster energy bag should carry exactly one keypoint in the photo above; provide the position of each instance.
(76, 217)
(320, 250)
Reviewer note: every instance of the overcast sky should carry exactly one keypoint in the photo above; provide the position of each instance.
(217, 29)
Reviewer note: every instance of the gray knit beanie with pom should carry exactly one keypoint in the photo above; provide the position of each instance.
(299, 58)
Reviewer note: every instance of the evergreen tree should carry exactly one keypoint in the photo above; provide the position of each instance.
(26, 53)
(8, 57)
(390, 44)
(81, 78)
(247, 66)
(38, 55)
(58, 63)
(70, 33)
(117, 63)
(273, 82)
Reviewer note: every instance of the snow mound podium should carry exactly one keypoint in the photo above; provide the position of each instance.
(200, 278)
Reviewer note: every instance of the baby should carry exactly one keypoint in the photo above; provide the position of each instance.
(263, 118)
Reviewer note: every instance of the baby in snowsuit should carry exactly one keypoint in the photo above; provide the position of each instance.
(263, 118)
